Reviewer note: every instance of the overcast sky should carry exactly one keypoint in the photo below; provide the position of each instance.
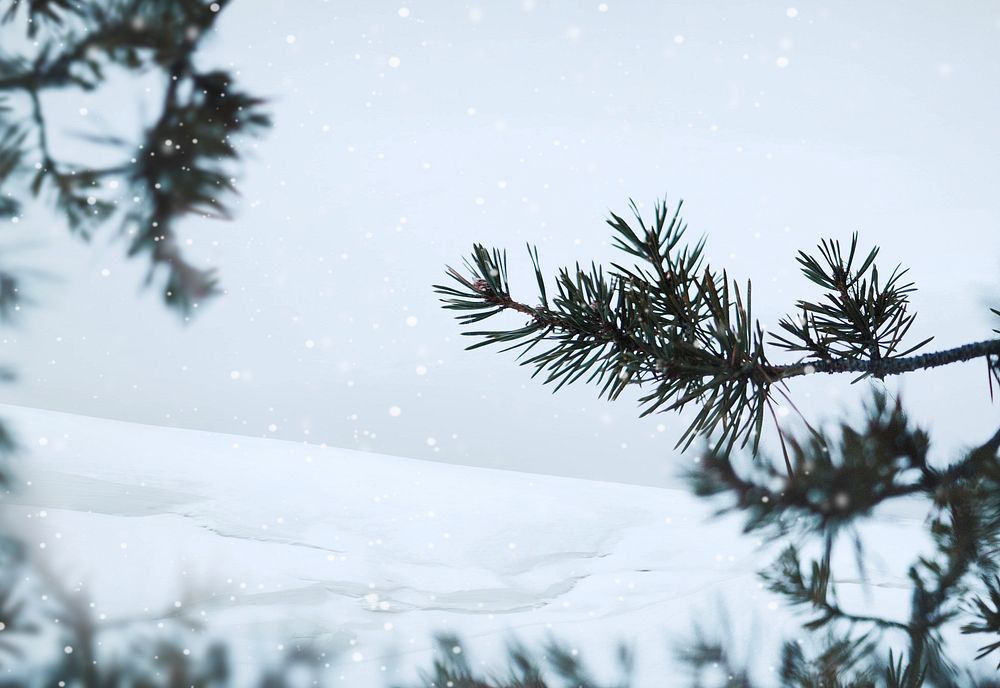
(405, 131)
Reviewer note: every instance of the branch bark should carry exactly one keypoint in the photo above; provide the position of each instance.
(890, 366)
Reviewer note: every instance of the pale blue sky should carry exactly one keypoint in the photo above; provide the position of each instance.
(407, 130)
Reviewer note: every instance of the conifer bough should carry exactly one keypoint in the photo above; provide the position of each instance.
(183, 163)
(671, 324)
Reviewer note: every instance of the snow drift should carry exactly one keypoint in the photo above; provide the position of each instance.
(370, 555)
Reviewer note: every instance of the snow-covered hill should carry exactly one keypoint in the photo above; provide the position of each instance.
(370, 554)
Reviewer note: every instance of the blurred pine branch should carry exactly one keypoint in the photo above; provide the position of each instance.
(685, 334)
(182, 165)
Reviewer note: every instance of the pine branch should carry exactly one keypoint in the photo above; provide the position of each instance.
(830, 481)
(182, 166)
(988, 613)
(858, 317)
(815, 590)
(687, 334)
(900, 675)
(840, 664)
(681, 329)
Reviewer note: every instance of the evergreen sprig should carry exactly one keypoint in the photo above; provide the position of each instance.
(987, 611)
(841, 481)
(837, 480)
(686, 334)
(673, 325)
(858, 317)
(184, 162)
(554, 666)
(834, 663)
(840, 662)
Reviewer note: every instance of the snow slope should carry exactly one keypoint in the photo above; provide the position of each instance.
(369, 554)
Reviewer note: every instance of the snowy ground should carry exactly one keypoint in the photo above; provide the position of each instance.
(369, 554)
